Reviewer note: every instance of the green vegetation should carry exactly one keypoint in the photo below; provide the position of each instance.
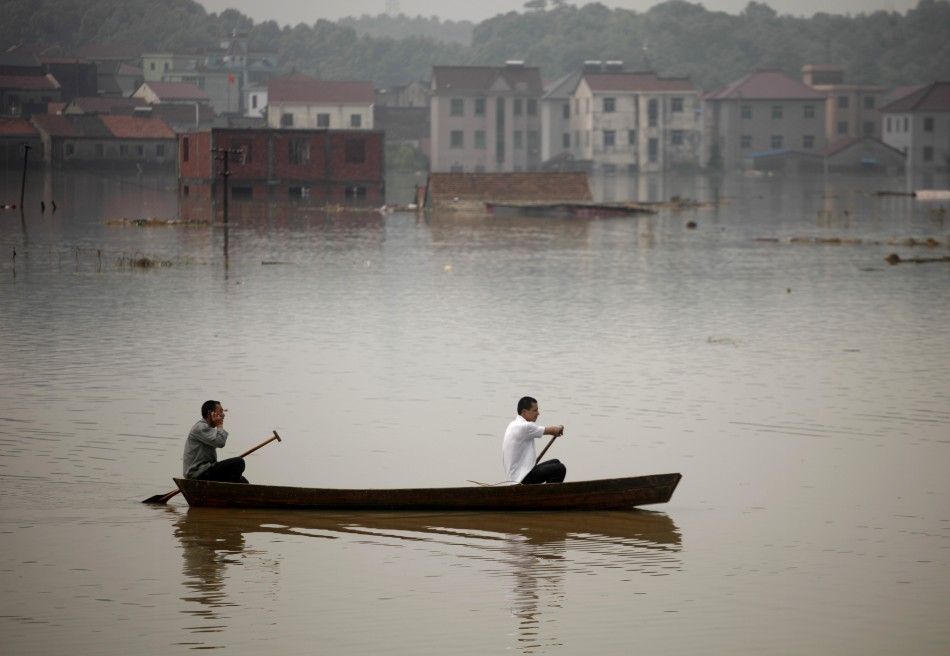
(676, 38)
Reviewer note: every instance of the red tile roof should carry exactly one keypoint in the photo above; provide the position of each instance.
(634, 81)
(296, 87)
(134, 127)
(447, 79)
(107, 104)
(766, 85)
(177, 91)
(28, 82)
(16, 127)
(931, 98)
(449, 187)
(56, 125)
(847, 142)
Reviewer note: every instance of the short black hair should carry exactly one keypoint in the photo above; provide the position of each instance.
(207, 407)
(525, 403)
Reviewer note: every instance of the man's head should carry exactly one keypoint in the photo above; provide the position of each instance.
(528, 408)
(208, 407)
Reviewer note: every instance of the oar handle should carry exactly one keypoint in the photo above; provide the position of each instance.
(262, 444)
(545, 450)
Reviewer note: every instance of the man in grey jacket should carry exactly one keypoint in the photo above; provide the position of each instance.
(200, 459)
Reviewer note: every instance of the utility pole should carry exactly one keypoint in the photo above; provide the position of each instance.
(26, 156)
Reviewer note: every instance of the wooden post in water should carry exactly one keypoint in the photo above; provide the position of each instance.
(26, 157)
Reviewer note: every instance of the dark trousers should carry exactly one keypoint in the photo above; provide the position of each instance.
(226, 471)
(549, 471)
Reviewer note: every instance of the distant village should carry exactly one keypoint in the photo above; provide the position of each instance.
(326, 139)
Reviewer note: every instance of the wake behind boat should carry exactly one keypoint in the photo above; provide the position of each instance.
(603, 494)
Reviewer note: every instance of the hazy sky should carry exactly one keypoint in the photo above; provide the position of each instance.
(308, 11)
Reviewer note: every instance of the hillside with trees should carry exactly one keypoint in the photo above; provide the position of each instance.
(673, 38)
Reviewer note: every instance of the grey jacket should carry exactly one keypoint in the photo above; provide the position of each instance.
(200, 448)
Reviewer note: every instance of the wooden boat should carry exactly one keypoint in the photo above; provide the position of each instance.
(604, 494)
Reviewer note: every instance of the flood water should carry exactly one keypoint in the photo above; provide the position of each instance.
(799, 383)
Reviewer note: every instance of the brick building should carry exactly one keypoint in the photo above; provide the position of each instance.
(324, 166)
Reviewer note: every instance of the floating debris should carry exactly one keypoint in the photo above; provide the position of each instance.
(929, 242)
(894, 258)
(143, 262)
(155, 222)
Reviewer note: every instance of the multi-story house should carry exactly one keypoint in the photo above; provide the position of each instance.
(485, 118)
(624, 120)
(300, 101)
(851, 110)
(223, 73)
(919, 126)
(556, 119)
(762, 114)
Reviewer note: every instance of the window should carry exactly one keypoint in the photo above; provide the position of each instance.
(808, 111)
(869, 102)
(653, 149)
(906, 124)
(356, 120)
(100, 150)
(69, 149)
(843, 102)
(517, 107)
(123, 150)
(842, 127)
(519, 139)
(776, 141)
(286, 120)
(928, 154)
(323, 120)
(140, 150)
(184, 149)
(676, 137)
(300, 192)
(745, 142)
(631, 137)
(610, 105)
(533, 141)
(242, 193)
(676, 104)
(457, 168)
(253, 101)
(480, 139)
(888, 123)
(653, 112)
(566, 140)
(868, 127)
(610, 138)
(151, 66)
(457, 107)
(808, 142)
(356, 192)
(928, 124)
(532, 107)
(479, 107)
(746, 111)
(777, 111)
(566, 110)
(298, 151)
(159, 150)
(245, 148)
(355, 151)
(455, 139)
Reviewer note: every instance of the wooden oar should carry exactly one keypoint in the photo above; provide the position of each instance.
(545, 450)
(163, 498)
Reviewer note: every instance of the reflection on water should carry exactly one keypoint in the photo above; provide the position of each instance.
(534, 552)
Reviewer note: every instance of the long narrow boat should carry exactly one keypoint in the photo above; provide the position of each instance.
(604, 494)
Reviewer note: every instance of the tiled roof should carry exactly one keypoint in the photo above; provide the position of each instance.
(508, 186)
(446, 79)
(296, 87)
(931, 98)
(176, 91)
(182, 114)
(16, 127)
(109, 51)
(29, 82)
(134, 127)
(107, 105)
(847, 142)
(57, 125)
(766, 85)
(563, 87)
(631, 81)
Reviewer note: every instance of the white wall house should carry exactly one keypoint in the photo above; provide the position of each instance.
(918, 125)
(301, 101)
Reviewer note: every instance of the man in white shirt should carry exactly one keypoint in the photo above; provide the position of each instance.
(518, 447)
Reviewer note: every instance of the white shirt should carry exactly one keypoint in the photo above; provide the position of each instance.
(517, 449)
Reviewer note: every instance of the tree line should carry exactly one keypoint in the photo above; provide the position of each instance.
(675, 38)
